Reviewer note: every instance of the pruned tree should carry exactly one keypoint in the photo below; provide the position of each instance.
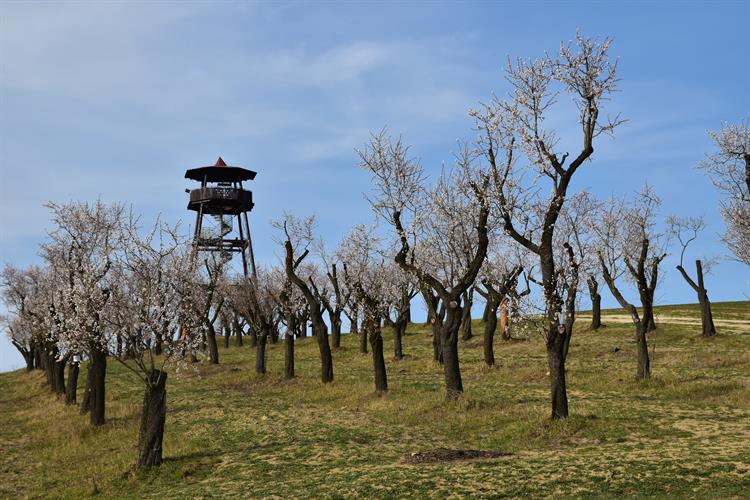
(576, 229)
(371, 281)
(153, 307)
(450, 218)
(515, 129)
(498, 279)
(24, 300)
(337, 300)
(631, 245)
(297, 237)
(685, 230)
(80, 251)
(729, 169)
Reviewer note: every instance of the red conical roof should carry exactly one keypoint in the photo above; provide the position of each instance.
(220, 163)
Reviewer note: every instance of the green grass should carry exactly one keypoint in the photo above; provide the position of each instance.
(231, 433)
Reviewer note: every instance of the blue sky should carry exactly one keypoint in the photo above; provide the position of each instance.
(118, 99)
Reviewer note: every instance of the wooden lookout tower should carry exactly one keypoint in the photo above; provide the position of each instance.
(223, 199)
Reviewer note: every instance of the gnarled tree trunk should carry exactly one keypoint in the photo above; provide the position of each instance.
(489, 333)
(596, 303)
(260, 354)
(72, 388)
(399, 328)
(213, 348)
(86, 403)
(466, 332)
(289, 355)
(644, 363)
(98, 367)
(335, 329)
(449, 342)
(556, 364)
(153, 416)
(378, 361)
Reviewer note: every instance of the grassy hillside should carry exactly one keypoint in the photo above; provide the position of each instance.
(232, 434)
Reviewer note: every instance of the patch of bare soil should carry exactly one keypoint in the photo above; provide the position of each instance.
(447, 455)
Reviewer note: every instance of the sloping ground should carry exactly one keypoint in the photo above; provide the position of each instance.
(232, 434)
(731, 316)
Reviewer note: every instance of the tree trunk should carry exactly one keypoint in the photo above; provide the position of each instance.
(437, 347)
(504, 323)
(707, 320)
(253, 336)
(449, 342)
(153, 416)
(70, 393)
(399, 327)
(489, 334)
(59, 376)
(320, 332)
(260, 354)
(335, 329)
(213, 348)
(289, 355)
(378, 362)
(556, 365)
(466, 332)
(227, 332)
(237, 330)
(49, 370)
(98, 367)
(38, 358)
(486, 312)
(86, 403)
(596, 303)
(354, 321)
(644, 363)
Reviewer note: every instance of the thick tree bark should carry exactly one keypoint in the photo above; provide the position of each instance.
(335, 318)
(596, 303)
(289, 355)
(644, 363)
(449, 342)
(466, 332)
(253, 336)
(556, 363)
(86, 403)
(49, 369)
(354, 320)
(378, 361)
(153, 416)
(320, 331)
(98, 367)
(72, 388)
(227, 330)
(237, 330)
(38, 358)
(707, 320)
(213, 348)
(260, 354)
(58, 376)
(30, 358)
(490, 326)
(399, 328)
